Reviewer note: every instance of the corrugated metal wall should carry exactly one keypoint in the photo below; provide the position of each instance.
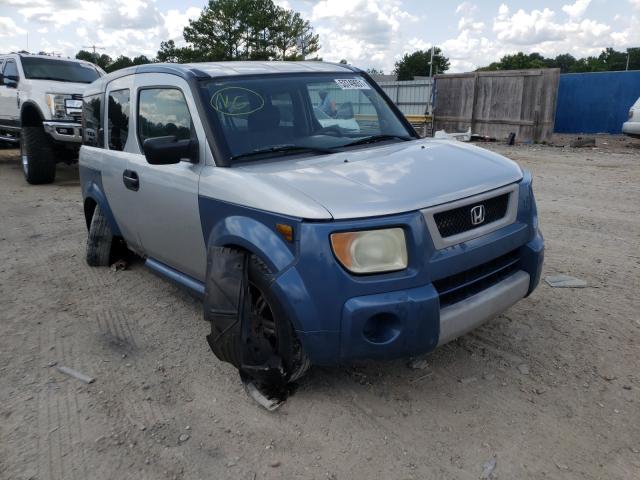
(412, 97)
(595, 102)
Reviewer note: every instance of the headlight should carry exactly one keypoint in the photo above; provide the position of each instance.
(371, 251)
(62, 105)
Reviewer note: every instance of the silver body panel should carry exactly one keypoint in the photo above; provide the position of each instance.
(161, 220)
(383, 180)
(464, 316)
(165, 208)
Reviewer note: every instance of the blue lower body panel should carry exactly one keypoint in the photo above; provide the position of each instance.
(390, 324)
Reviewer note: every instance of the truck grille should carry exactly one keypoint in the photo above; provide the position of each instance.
(460, 220)
(465, 284)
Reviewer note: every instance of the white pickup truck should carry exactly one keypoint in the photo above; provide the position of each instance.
(41, 108)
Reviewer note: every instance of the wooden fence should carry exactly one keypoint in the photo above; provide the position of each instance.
(498, 103)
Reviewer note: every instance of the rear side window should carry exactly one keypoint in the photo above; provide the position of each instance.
(163, 112)
(118, 119)
(92, 120)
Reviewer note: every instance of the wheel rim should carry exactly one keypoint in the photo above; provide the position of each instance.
(263, 322)
(24, 159)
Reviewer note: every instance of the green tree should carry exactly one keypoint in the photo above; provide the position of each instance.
(608, 60)
(118, 63)
(418, 63)
(103, 60)
(170, 53)
(244, 30)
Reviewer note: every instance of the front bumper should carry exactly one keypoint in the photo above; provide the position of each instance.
(64, 131)
(631, 128)
(340, 317)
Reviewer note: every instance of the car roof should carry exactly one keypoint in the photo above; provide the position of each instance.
(47, 57)
(223, 69)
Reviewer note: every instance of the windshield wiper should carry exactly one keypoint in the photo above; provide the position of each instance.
(378, 138)
(282, 149)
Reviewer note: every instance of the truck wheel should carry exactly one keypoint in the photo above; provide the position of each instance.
(99, 241)
(37, 156)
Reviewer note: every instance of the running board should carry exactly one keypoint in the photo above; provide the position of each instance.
(9, 139)
(191, 284)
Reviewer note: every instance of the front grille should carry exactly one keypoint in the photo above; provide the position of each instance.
(465, 284)
(459, 220)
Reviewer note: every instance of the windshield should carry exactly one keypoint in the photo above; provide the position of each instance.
(268, 116)
(58, 70)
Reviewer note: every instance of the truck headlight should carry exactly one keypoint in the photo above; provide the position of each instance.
(371, 251)
(62, 105)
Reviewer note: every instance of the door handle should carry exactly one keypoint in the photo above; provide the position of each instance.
(131, 180)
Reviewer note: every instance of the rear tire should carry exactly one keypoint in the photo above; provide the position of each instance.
(37, 156)
(99, 241)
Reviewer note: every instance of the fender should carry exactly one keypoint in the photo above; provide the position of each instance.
(225, 224)
(30, 104)
(91, 181)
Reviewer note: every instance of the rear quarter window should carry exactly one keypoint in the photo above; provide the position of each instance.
(118, 119)
(92, 121)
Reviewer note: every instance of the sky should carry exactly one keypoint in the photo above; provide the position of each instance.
(367, 33)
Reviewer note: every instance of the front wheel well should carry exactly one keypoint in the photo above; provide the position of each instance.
(30, 116)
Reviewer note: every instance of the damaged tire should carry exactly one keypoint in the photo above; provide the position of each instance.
(99, 241)
(249, 326)
(271, 329)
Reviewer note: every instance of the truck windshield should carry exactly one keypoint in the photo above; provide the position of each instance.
(271, 116)
(38, 68)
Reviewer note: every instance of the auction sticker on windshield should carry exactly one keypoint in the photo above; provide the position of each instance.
(352, 84)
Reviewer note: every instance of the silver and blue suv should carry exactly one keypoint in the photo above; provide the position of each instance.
(297, 201)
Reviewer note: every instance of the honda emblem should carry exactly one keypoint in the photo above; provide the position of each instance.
(477, 215)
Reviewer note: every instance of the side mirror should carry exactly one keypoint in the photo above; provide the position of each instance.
(9, 81)
(169, 150)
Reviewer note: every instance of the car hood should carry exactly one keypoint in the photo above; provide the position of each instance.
(389, 179)
(61, 87)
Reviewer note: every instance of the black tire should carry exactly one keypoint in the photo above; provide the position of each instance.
(285, 342)
(99, 241)
(37, 156)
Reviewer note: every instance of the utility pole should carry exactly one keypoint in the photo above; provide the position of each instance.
(95, 54)
(431, 62)
(628, 55)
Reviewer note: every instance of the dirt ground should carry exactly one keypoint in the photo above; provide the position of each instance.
(551, 389)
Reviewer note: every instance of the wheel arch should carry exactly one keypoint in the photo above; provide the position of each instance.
(254, 237)
(30, 114)
(92, 199)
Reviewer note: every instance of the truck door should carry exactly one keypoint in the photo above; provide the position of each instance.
(9, 107)
(166, 202)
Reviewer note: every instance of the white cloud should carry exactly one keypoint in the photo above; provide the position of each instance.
(364, 32)
(577, 9)
(175, 21)
(9, 28)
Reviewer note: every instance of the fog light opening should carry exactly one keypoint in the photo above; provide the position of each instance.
(382, 328)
